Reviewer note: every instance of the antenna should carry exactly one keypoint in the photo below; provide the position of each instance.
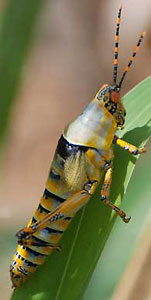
(117, 45)
(132, 58)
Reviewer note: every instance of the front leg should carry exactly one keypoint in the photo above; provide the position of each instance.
(128, 147)
(105, 195)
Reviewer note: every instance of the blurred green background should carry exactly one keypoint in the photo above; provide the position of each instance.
(53, 57)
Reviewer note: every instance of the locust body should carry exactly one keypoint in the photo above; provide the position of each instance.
(83, 155)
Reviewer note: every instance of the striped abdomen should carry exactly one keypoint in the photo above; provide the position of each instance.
(26, 259)
(72, 167)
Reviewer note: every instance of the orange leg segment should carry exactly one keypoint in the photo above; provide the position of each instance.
(128, 147)
(105, 195)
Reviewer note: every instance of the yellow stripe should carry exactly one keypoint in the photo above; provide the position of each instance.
(54, 239)
(52, 186)
(118, 20)
(21, 263)
(47, 203)
(42, 250)
(92, 156)
(39, 215)
(24, 253)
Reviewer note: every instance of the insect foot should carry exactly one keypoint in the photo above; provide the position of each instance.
(126, 220)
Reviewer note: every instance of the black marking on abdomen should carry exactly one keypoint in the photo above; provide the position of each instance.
(34, 220)
(23, 271)
(32, 253)
(43, 209)
(29, 263)
(68, 218)
(47, 194)
(38, 242)
(53, 231)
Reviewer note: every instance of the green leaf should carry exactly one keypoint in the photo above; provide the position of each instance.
(16, 33)
(124, 239)
(66, 275)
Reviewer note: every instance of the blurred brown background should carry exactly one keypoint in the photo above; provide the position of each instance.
(72, 55)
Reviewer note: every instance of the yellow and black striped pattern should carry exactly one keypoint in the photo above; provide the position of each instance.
(117, 45)
(58, 189)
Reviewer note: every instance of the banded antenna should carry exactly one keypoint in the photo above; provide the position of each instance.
(117, 45)
(131, 59)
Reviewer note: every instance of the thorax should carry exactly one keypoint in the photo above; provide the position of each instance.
(94, 128)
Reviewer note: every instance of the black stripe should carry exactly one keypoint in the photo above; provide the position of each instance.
(139, 43)
(43, 209)
(68, 218)
(129, 64)
(39, 242)
(47, 194)
(34, 253)
(119, 14)
(34, 220)
(35, 239)
(23, 271)
(29, 263)
(53, 231)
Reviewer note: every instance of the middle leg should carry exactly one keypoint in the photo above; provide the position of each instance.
(105, 195)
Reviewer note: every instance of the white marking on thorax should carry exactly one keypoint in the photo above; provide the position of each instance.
(95, 127)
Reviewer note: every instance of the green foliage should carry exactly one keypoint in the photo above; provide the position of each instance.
(16, 34)
(66, 275)
(123, 239)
